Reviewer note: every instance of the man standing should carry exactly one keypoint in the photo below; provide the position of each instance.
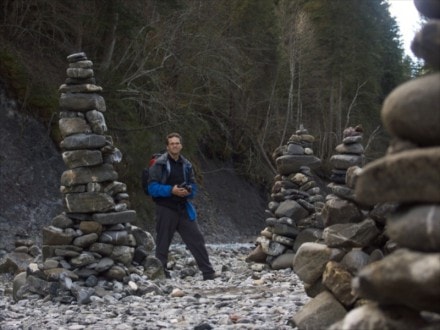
(171, 183)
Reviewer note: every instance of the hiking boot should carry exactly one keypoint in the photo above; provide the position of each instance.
(210, 276)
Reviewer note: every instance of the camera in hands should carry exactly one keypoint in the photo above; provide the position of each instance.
(186, 186)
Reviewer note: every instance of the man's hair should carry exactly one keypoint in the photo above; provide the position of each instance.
(172, 135)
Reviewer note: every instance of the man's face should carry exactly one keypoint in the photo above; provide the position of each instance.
(174, 146)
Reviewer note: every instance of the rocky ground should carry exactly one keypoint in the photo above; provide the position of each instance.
(244, 296)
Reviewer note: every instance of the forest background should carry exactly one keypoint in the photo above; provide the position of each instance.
(235, 77)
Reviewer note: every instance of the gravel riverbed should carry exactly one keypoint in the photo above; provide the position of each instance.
(244, 296)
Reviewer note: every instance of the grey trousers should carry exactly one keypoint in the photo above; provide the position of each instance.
(169, 221)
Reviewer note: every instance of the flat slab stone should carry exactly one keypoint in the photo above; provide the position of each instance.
(288, 164)
(88, 202)
(82, 101)
(113, 218)
(408, 176)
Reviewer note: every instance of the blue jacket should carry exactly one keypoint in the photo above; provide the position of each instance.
(158, 174)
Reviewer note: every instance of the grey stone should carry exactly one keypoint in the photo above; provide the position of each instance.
(337, 210)
(285, 230)
(352, 148)
(313, 235)
(79, 73)
(403, 278)
(344, 161)
(270, 247)
(283, 240)
(355, 260)
(116, 237)
(85, 175)
(409, 176)
(112, 218)
(291, 209)
(85, 240)
(295, 149)
(416, 228)
(80, 88)
(82, 101)
(400, 118)
(283, 261)
(84, 259)
(104, 264)
(143, 238)
(56, 236)
(428, 8)
(351, 234)
(338, 280)
(75, 57)
(62, 221)
(320, 312)
(88, 202)
(18, 282)
(426, 43)
(372, 317)
(83, 141)
(79, 158)
(97, 121)
(116, 272)
(76, 125)
(288, 164)
(352, 139)
(310, 261)
(85, 64)
(351, 176)
(102, 248)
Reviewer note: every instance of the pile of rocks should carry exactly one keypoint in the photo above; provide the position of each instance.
(352, 237)
(403, 288)
(382, 270)
(340, 205)
(95, 237)
(295, 198)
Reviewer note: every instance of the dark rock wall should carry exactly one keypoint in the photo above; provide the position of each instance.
(30, 170)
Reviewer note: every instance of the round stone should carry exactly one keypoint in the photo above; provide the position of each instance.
(411, 111)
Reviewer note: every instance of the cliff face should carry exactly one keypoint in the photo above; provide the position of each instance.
(30, 170)
(230, 209)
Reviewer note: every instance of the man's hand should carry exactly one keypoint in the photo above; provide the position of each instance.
(181, 192)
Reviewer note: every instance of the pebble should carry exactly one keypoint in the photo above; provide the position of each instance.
(242, 297)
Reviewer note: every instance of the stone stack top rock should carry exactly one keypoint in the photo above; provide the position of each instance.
(296, 153)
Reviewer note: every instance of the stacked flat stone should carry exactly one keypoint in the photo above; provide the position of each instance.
(402, 290)
(352, 238)
(95, 237)
(340, 205)
(295, 198)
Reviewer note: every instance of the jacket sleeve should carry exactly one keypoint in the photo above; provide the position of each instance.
(157, 189)
(155, 186)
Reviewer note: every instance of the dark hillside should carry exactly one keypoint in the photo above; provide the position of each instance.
(230, 209)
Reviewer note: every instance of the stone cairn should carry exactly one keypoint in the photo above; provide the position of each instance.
(95, 237)
(327, 266)
(397, 285)
(405, 285)
(295, 197)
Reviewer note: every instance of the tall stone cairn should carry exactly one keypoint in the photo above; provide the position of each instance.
(295, 198)
(402, 290)
(352, 238)
(95, 237)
